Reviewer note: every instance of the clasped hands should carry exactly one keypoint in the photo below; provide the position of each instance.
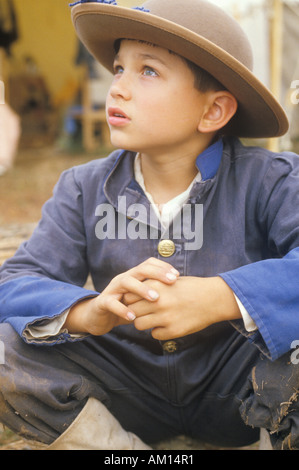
(154, 296)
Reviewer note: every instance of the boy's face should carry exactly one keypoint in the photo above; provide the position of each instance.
(152, 105)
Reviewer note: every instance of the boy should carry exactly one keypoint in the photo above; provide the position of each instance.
(191, 241)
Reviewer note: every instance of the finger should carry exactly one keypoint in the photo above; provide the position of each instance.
(146, 320)
(163, 334)
(143, 307)
(129, 284)
(130, 298)
(125, 283)
(155, 269)
(115, 307)
(153, 286)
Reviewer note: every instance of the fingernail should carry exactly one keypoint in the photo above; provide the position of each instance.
(153, 294)
(171, 276)
(131, 316)
(175, 271)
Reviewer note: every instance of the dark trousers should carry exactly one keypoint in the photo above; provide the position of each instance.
(43, 389)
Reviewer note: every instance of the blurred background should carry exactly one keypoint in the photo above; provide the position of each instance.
(52, 116)
(52, 92)
(52, 97)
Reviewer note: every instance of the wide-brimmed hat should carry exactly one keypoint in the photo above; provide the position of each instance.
(197, 30)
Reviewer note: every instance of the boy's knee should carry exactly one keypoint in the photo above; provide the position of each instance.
(270, 400)
(39, 398)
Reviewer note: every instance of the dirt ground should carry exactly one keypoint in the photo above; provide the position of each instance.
(23, 191)
(25, 187)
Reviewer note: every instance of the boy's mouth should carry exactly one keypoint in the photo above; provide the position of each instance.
(116, 117)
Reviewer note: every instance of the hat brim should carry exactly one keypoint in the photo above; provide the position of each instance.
(99, 25)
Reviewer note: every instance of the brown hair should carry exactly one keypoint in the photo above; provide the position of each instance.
(203, 80)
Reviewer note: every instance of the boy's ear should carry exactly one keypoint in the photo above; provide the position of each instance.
(220, 107)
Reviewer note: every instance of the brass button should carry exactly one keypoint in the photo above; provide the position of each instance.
(166, 248)
(170, 346)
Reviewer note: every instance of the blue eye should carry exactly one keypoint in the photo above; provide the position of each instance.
(118, 69)
(150, 72)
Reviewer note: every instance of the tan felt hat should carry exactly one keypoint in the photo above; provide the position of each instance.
(197, 30)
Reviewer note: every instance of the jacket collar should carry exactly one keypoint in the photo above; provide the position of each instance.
(120, 180)
(209, 160)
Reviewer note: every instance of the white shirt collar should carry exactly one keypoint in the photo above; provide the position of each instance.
(165, 212)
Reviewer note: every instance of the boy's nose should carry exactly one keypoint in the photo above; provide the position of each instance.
(121, 88)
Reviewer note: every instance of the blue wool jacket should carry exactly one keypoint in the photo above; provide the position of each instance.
(99, 222)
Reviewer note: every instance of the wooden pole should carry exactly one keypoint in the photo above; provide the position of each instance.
(276, 40)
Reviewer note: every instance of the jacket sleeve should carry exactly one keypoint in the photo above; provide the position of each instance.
(47, 274)
(269, 289)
